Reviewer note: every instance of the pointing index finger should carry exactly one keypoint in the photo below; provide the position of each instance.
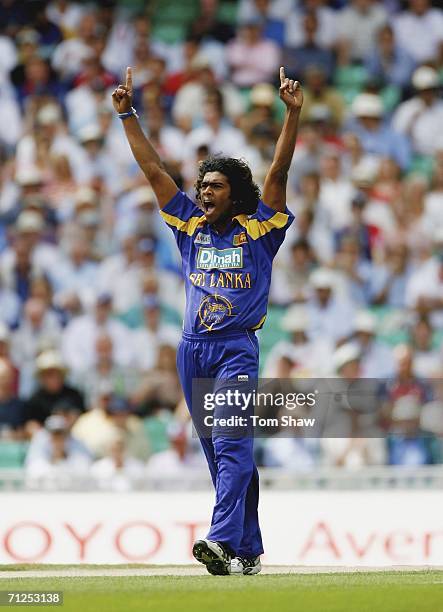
(129, 77)
(282, 75)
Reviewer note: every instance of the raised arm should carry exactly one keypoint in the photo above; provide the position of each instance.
(145, 154)
(274, 189)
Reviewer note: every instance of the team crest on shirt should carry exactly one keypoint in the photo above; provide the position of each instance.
(202, 238)
(222, 259)
(213, 310)
(240, 239)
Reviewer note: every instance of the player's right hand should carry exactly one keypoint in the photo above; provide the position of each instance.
(122, 96)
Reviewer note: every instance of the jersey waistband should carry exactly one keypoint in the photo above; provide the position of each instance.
(219, 335)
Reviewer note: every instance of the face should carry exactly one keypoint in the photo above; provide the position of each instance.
(52, 380)
(215, 197)
(350, 370)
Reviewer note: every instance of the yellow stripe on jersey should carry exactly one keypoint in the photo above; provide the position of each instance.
(188, 226)
(262, 320)
(256, 229)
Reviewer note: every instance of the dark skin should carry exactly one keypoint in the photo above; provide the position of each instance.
(216, 200)
(216, 192)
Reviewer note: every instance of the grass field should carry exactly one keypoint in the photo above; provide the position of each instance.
(339, 592)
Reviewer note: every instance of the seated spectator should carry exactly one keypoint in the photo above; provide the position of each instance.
(366, 235)
(326, 34)
(160, 385)
(330, 316)
(387, 62)
(407, 444)
(307, 155)
(118, 471)
(39, 329)
(52, 389)
(12, 409)
(335, 189)
(308, 358)
(405, 382)
(421, 117)
(252, 58)
(105, 371)
(272, 13)
(69, 54)
(181, 460)
(187, 105)
(419, 29)
(358, 24)
(427, 357)
(55, 457)
(262, 99)
(9, 305)
(298, 60)
(51, 128)
(424, 290)
(216, 133)
(391, 276)
(80, 335)
(376, 137)
(147, 339)
(112, 416)
(353, 273)
(317, 95)
(290, 277)
(38, 79)
(376, 358)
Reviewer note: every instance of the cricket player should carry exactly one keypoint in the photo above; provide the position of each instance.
(227, 240)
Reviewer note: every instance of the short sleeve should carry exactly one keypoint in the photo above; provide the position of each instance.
(267, 226)
(183, 217)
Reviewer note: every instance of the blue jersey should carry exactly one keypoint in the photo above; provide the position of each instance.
(227, 276)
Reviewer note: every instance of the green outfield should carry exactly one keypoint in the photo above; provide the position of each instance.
(354, 592)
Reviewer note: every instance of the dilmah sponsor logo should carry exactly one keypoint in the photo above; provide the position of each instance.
(220, 259)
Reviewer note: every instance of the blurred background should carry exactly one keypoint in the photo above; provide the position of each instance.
(91, 294)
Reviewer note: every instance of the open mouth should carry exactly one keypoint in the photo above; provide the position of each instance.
(208, 206)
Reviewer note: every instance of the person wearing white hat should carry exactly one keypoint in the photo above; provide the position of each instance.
(52, 388)
(330, 315)
(346, 361)
(308, 357)
(421, 117)
(377, 360)
(376, 137)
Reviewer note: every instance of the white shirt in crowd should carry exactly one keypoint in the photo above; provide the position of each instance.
(420, 35)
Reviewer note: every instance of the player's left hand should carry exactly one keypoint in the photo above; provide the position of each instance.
(290, 91)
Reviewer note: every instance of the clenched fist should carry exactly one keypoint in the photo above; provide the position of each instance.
(122, 96)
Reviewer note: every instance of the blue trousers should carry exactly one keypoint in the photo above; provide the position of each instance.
(230, 459)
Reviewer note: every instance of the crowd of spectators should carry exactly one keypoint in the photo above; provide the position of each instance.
(91, 295)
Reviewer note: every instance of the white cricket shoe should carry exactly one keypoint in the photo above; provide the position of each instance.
(245, 566)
